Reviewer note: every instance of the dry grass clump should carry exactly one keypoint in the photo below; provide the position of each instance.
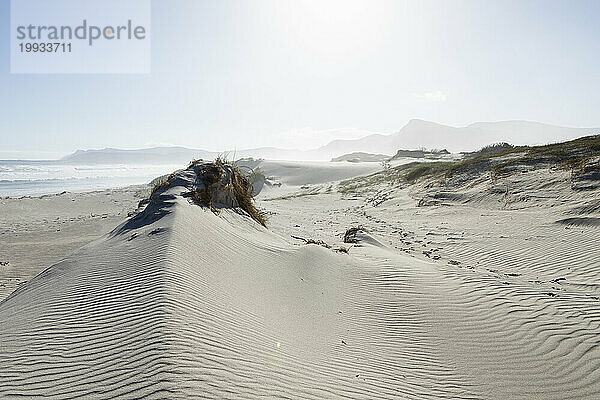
(350, 235)
(159, 183)
(243, 189)
(323, 244)
(254, 175)
(239, 186)
(313, 241)
(211, 174)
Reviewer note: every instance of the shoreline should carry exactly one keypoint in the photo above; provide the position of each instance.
(140, 187)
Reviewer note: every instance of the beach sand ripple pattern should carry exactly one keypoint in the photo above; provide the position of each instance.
(191, 304)
(182, 302)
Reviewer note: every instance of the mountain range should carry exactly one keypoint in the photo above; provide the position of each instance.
(415, 134)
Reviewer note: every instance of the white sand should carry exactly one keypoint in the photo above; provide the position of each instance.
(464, 299)
(36, 232)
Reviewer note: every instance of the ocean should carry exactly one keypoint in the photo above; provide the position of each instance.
(34, 178)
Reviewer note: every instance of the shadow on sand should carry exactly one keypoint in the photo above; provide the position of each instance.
(156, 209)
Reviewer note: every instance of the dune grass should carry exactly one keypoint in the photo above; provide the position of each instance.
(499, 160)
(239, 186)
(159, 183)
(350, 234)
(400, 175)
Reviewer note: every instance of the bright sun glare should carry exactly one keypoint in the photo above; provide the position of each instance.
(336, 28)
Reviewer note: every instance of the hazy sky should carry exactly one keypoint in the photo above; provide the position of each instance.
(241, 74)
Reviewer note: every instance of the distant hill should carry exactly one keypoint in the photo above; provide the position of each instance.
(155, 155)
(361, 157)
(177, 155)
(422, 134)
(414, 135)
(420, 154)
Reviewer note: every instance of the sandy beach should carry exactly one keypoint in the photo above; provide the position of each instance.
(36, 232)
(487, 290)
(301, 200)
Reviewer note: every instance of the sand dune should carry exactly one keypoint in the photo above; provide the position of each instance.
(509, 284)
(295, 173)
(183, 302)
